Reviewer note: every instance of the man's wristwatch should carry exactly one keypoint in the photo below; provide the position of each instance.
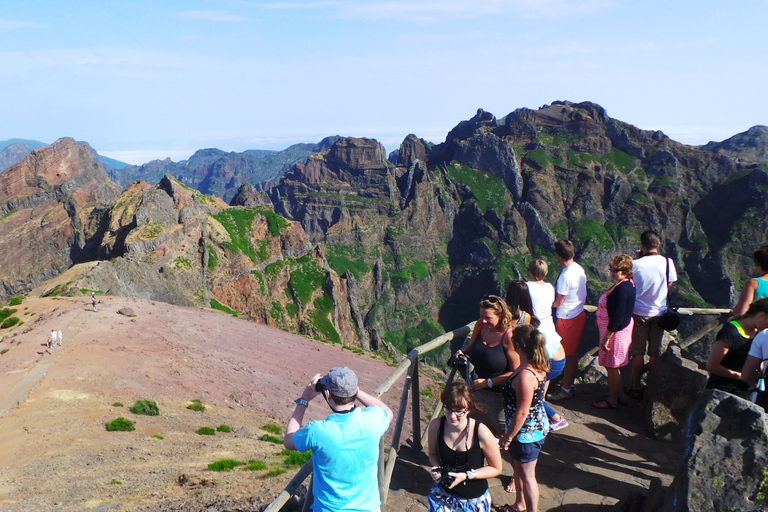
(301, 401)
(489, 382)
(471, 474)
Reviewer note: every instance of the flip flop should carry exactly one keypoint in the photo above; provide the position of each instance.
(510, 487)
(603, 404)
(510, 508)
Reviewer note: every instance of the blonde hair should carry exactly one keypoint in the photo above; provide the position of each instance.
(538, 269)
(500, 309)
(533, 344)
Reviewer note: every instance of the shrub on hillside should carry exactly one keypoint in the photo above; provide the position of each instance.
(225, 465)
(145, 407)
(205, 431)
(223, 428)
(196, 405)
(10, 322)
(120, 424)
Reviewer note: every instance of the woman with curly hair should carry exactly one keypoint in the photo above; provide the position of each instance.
(493, 355)
(614, 323)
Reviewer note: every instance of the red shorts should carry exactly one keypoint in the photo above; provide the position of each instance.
(570, 330)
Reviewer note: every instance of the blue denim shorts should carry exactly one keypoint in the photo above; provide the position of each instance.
(525, 452)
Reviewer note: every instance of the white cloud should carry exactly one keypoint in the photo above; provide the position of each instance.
(211, 16)
(18, 25)
(434, 11)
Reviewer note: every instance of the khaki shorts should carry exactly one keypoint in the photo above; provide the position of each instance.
(646, 336)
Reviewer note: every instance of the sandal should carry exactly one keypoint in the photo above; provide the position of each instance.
(510, 508)
(510, 487)
(603, 404)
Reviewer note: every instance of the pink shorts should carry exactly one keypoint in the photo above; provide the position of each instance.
(570, 330)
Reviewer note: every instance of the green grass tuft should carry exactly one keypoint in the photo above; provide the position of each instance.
(256, 465)
(115, 482)
(145, 407)
(118, 404)
(205, 431)
(221, 307)
(223, 428)
(15, 301)
(274, 472)
(120, 425)
(294, 458)
(196, 405)
(225, 465)
(271, 439)
(272, 429)
(158, 436)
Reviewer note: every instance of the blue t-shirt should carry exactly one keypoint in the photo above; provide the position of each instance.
(345, 456)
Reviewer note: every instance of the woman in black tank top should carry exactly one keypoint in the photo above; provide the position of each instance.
(493, 356)
(459, 448)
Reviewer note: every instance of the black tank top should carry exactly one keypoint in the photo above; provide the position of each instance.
(488, 361)
(459, 462)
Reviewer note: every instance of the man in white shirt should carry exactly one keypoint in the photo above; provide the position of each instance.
(570, 297)
(650, 276)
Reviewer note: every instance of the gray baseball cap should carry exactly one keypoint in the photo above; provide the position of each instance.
(341, 382)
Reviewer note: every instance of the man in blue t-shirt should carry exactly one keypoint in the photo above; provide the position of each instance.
(345, 446)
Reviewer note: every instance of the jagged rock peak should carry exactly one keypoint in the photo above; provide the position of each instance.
(411, 150)
(248, 196)
(466, 129)
(357, 153)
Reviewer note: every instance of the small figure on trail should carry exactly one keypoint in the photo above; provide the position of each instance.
(49, 344)
(93, 300)
(570, 297)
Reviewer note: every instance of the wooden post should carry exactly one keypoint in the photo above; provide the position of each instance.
(390, 467)
(415, 407)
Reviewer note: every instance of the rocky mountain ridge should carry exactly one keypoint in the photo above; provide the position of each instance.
(213, 171)
(353, 248)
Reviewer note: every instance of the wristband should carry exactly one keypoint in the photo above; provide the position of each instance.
(300, 401)
(471, 474)
(489, 382)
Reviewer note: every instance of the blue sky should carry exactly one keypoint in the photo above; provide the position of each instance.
(141, 80)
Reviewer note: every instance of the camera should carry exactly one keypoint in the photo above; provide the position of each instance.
(458, 361)
(319, 387)
(446, 480)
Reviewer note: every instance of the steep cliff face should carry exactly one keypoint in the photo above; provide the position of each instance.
(53, 205)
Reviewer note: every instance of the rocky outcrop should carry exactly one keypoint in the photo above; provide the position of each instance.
(671, 393)
(54, 204)
(725, 464)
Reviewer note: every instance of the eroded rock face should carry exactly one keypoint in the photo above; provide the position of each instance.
(54, 202)
(725, 465)
(671, 393)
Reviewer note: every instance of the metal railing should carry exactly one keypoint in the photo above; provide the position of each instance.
(410, 367)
